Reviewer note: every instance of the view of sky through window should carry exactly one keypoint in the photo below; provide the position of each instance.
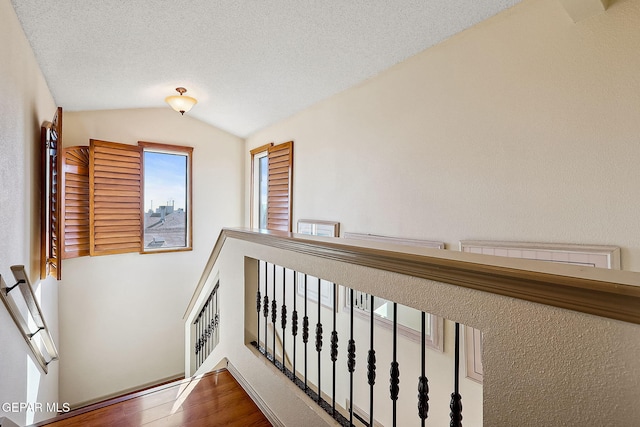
(165, 180)
(165, 200)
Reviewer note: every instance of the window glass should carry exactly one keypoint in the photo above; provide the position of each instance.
(263, 181)
(165, 200)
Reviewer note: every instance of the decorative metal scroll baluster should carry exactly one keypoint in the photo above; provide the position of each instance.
(283, 315)
(371, 365)
(334, 352)
(394, 382)
(423, 384)
(265, 312)
(294, 322)
(274, 313)
(456, 399)
(198, 343)
(305, 331)
(210, 316)
(205, 327)
(351, 357)
(319, 342)
(207, 337)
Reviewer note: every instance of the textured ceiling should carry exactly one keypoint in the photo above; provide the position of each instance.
(249, 63)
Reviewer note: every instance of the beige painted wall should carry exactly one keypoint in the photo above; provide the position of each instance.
(522, 128)
(25, 102)
(121, 315)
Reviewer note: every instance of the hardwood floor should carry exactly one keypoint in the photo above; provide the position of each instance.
(215, 399)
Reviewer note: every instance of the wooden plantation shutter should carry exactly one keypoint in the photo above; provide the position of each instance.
(115, 198)
(279, 187)
(75, 206)
(50, 196)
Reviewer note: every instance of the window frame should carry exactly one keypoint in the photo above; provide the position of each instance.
(53, 170)
(256, 154)
(187, 151)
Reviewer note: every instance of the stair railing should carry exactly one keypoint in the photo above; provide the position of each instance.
(206, 328)
(38, 326)
(270, 279)
(300, 317)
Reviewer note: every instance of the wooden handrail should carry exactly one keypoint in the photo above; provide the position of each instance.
(601, 292)
(36, 314)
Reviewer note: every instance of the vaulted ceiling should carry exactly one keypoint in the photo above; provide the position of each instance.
(249, 63)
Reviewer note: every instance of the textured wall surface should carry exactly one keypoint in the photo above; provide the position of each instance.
(25, 102)
(521, 128)
(121, 315)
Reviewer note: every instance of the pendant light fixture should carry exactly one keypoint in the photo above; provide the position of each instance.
(181, 103)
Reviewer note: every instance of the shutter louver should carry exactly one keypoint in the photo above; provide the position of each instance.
(279, 187)
(50, 201)
(115, 198)
(75, 208)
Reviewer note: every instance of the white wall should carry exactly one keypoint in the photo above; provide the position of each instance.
(121, 315)
(522, 128)
(25, 102)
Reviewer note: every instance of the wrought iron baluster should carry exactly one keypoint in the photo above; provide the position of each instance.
(207, 326)
(214, 320)
(259, 302)
(319, 341)
(197, 342)
(371, 364)
(217, 320)
(210, 325)
(305, 331)
(204, 333)
(351, 357)
(294, 322)
(456, 399)
(283, 315)
(202, 338)
(265, 311)
(394, 382)
(207, 331)
(423, 383)
(203, 327)
(274, 313)
(334, 350)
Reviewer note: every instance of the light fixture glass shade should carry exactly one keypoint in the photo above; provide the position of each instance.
(181, 103)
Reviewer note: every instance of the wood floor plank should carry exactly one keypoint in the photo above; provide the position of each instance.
(212, 400)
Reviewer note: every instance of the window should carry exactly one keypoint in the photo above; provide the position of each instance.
(93, 199)
(271, 186)
(259, 185)
(167, 197)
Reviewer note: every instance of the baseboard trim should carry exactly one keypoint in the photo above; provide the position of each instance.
(271, 416)
(92, 405)
(142, 388)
